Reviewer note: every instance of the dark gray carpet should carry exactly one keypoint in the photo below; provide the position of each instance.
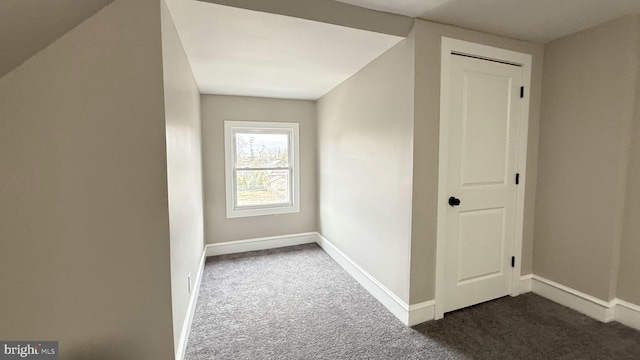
(297, 303)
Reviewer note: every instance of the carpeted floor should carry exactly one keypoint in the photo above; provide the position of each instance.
(297, 303)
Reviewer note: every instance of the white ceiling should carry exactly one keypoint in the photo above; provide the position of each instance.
(235, 51)
(534, 20)
(242, 52)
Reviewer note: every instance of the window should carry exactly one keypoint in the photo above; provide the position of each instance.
(262, 172)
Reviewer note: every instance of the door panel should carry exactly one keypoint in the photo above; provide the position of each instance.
(483, 147)
(481, 243)
(484, 129)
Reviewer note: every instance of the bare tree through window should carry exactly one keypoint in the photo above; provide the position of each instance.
(262, 163)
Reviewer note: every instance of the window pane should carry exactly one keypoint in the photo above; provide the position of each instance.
(262, 150)
(262, 187)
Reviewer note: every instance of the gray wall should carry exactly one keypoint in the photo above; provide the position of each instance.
(217, 109)
(20, 38)
(628, 284)
(84, 241)
(184, 169)
(365, 136)
(426, 147)
(589, 99)
(367, 116)
(331, 12)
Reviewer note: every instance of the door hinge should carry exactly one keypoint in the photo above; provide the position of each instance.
(517, 178)
(513, 261)
(521, 92)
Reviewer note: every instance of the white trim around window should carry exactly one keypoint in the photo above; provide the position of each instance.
(285, 173)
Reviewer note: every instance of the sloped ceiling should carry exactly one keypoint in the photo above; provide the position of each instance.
(300, 48)
(28, 26)
(539, 21)
(237, 51)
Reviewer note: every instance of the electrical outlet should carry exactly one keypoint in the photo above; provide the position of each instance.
(189, 282)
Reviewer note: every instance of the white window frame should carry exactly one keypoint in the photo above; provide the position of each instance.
(230, 128)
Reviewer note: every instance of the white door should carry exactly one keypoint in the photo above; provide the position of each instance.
(484, 110)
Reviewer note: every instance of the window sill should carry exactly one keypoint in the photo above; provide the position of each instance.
(241, 213)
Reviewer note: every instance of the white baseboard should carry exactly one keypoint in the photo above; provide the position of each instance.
(409, 315)
(628, 314)
(591, 306)
(618, 310)
(526, 284)
(272, 242)
(605, 311)
(421, 312)
(191, 309)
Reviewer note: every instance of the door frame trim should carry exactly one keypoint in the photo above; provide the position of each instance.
(450, 46)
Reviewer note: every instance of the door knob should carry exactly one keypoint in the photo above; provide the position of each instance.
(453, 201)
